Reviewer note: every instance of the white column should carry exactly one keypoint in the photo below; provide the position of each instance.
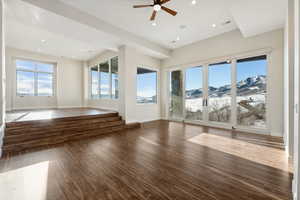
(289, 79)
(122, 81)
(127, 86)
(2, 74)
(296, 181)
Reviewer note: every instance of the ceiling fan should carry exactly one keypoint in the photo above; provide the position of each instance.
(157, 6)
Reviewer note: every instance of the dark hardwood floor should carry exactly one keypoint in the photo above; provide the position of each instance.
(161, 160)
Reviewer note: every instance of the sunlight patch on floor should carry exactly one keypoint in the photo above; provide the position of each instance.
(27, 183)
(269, 156)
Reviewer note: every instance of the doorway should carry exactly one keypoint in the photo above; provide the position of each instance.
(226, 94)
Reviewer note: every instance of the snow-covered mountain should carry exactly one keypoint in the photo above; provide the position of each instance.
(251, 85)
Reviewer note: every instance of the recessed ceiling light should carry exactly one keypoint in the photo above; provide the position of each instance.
(43, 41)
(194, 2)
(214, 25)
(157, 7)
(154, 24)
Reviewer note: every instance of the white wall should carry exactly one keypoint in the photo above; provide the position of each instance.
(129, 60)
(289, 79)
(139, 112)
(296, 180)
(228, 45)
(69, 88)
(2, 75)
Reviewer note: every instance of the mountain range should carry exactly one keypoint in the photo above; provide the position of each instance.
(248, 86)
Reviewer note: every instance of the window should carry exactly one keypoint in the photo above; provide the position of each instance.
(146, 86)
(94, 82)
(114, 78)
(104, 80)
(194, 93)
(219, 92)
(251, 91)
(34, 78)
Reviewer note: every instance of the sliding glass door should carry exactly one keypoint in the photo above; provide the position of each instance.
(231, 93)
(251, 91)
(194, 94)
(219, 92)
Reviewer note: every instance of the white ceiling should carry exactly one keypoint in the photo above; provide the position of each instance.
(81, 29)
(198, 18)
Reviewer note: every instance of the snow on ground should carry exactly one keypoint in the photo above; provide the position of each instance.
(194, 105)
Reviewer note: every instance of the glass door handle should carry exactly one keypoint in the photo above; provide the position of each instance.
(204, 102)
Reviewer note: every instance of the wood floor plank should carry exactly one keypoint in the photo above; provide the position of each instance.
(155, 162)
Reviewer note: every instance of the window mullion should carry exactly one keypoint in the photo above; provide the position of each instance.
(35, 81)
(110, 79)
(99, 82)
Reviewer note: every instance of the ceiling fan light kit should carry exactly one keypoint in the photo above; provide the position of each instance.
(157, 6)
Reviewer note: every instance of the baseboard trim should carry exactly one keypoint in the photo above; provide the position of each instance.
(133, 125)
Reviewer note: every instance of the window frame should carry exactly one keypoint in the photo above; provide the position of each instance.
(108, 60)
(35, 77)
(156, 88)
(242, 55)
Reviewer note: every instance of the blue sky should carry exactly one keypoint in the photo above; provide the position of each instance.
(194, 78)
(26, 83)
(220, 75)
(25, 79)
(250, 69)
(146, 84)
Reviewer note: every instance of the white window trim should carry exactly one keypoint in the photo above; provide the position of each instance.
(157, 82)
(35, 76)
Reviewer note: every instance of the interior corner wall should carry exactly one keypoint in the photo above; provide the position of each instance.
(289, 79)
(129, 60)
(296, 156)
(2, 74)
(69, 88)
(109, 104)
(230, 44)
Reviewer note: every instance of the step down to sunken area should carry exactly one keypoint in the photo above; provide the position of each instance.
(31, 129)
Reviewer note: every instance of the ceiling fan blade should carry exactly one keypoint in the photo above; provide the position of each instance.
(142, 6)
(153, 15)
(168, 10)
(164, 1)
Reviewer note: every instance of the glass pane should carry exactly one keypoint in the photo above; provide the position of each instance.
(251, 91)
(25, 83)
(45, 84)
(219, 92)
(25, 64)
(44, 67)
(94, 82)
(146, 86)
(176, 101)
(194, 94)
(104, 80)
(114, 78)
